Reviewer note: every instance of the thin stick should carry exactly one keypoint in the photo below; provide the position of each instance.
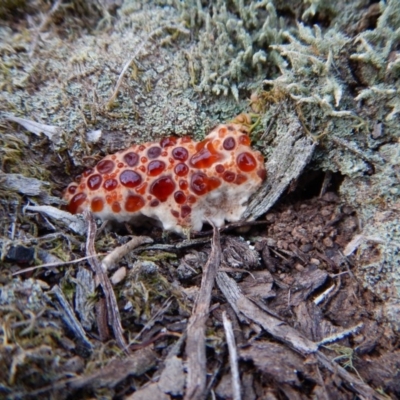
(113, 316)
(233, 357)
(52, 265)
(195, 344)
(123, 250)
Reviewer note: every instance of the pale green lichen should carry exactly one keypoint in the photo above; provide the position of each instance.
(379, 60)
(318, 6)
(310, 76)
(232, 51)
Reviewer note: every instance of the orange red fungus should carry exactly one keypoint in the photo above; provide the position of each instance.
(177, 181)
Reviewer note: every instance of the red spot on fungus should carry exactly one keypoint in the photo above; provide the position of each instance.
(120, 165)
(246, 162)
(154, 203)
(185, 211)
(134, 203)
(180, 154)
(229, 143)
(94, 182)
(240, 179)
(186, 139)
(110, 184)
(262, 173)
(75, 202)
(181, 169)
(130, 178)
(153, 152)
(199, 183)
(213, 183)
(97, 204)
(87, 172)
(191, 199)
(141, 147)
(202, 144)
(116, 207)
(155, 167)
(143, 160)
(142, 188)
(219, 168)
(175, 213)
(222, 132)
(206, 155)
(179, 197)
(164, 154)
(105, 166)
(162, 188)
(168, 141)
(82, 186)
(183, 184)
(131, 159)
(229, 176)
(72, 189)
(244, 140)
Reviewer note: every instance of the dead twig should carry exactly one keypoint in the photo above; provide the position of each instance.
(51, 265)
(113, 316)
(233, 356)
(183, 244)
(123, 250)
(69, 318)
(195, 344)
(164, 307)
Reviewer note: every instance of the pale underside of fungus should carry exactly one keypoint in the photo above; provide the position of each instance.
(177, 182)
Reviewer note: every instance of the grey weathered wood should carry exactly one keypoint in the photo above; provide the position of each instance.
(292, 152)
(24, 185)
